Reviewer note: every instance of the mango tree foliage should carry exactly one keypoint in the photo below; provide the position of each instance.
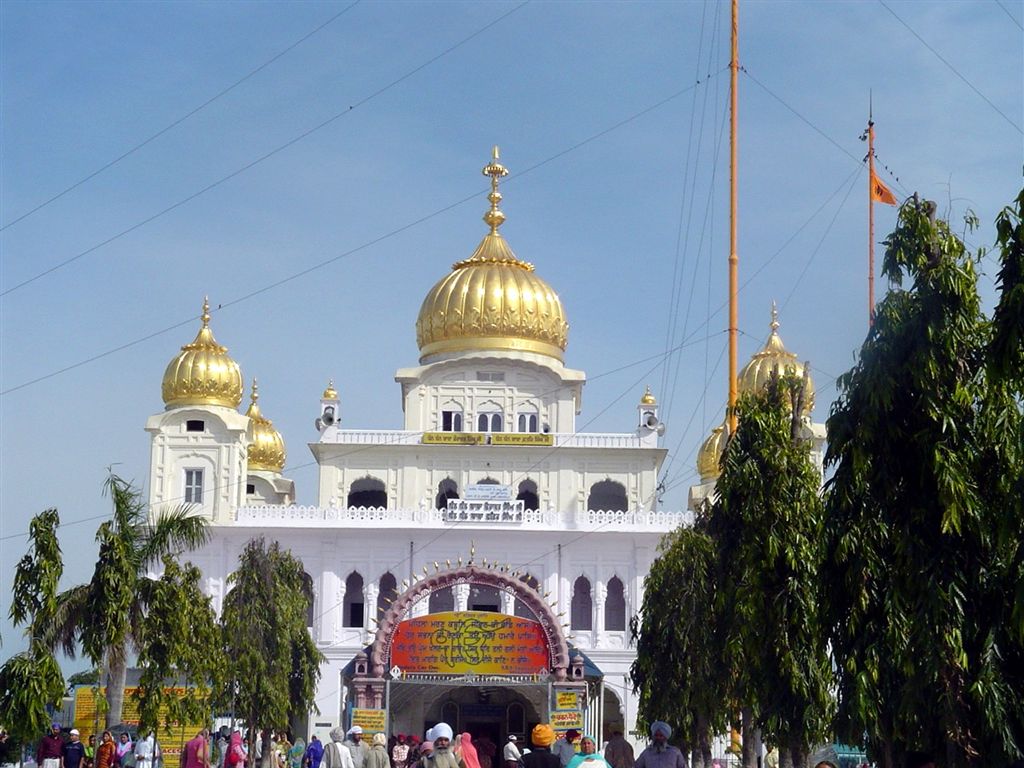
(766, 522)
(106, 616)
(179, 642)
(923, 520)
(676, 670)
(32, 680)
(272, 664)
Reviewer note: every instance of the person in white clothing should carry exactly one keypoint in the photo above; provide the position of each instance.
(511, 753)
(337, 753)
(145, 751)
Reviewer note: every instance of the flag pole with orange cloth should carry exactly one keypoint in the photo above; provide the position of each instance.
(877, 190)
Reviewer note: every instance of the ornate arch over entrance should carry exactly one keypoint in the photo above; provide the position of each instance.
(558, 648)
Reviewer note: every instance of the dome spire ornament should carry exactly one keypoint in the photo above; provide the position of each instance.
(202, 373)
(494, 218)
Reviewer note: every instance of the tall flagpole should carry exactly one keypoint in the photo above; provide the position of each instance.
(734, 68)
(871, 218)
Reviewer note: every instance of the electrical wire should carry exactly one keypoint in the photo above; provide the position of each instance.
(180, 120)
(363, 246)
(951, 68)
(280, 148)
(1012, 17)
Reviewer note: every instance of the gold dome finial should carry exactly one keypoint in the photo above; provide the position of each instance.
(203, 373)
(330, 393)
(648, 398)
(774, 357)
(494, 218)
(266, 446)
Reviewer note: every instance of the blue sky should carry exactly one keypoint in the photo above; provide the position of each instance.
(618, 194)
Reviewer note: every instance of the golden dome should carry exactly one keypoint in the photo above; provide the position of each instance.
(203, 373)
(648, 398)
(330, 393)
(710, 454)
(492, 300)
(774, 356)
(266, 446)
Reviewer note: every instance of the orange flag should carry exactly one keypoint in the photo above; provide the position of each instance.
(880, 192)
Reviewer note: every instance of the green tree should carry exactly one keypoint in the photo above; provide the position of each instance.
(107, 615)
(272, 663)
(766, 522)
(30, 681)
(86, 677)
(178, 641)
(677, 667)
(923, 522)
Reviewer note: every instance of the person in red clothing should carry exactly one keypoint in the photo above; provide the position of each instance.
(50, 749)
(196, 754)
(105, 752)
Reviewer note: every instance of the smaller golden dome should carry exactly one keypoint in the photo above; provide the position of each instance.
(266, 446)
(774, 356)
(203, 373)
(330, 393)
(709, 456)
(648, 398)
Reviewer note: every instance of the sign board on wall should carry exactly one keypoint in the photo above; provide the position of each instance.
(370, 720)
(567, 700)
(489, 492)
(487, 438)
(567, 719)
(464, 642)
(85, 718)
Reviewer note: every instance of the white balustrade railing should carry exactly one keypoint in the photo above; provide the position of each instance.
(407, 437)
(302, 516)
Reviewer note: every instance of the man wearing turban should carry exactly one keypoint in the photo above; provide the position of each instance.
(660, 754)
(543, 736)
(442, 756)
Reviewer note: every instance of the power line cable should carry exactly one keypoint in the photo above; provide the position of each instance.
(1012, 17)
(951, 68)
(180, 120)
(266, 155)
(363, 246)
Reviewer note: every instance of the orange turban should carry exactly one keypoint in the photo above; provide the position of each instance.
(543, 735)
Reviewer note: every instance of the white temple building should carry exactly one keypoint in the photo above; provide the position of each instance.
(469, 510)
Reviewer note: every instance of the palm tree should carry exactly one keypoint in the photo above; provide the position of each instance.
(106, 615)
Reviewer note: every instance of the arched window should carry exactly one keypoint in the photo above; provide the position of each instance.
(310, 595)
(582, 613)
(615, 606)
(387, 595)
(441, 601)
(607, 496)
(520, 608)
(451, 418)
(484, 598)
(527, 422)
(367, 492)
(446, 489)
(528, 495)
(352, 606)
(489, 422)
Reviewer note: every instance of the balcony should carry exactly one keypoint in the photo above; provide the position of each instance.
(406, 437)
(300, 516)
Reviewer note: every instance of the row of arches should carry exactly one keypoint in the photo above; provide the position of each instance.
(484, 597)
(605, 495)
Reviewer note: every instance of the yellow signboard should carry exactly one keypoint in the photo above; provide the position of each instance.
(482, 438)
(370, 720)
(564, 720)
(522, 438)
(85, 718)
(567, 700)
(453, 438)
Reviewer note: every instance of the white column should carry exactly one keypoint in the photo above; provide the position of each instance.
(370, 608)
(600, 597)
(461, 597)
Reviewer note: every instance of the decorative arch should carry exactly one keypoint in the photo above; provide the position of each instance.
(607, 496)
(471, 574)
(582, 609)
(367, 492)
(615, 606)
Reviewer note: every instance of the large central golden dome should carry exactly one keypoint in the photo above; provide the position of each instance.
(202, 373)
(492, 300)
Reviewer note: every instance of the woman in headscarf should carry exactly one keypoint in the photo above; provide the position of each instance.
(296, 753)
(588, 756)
(235, 755)
(124, 750)
(377, 757)
(106, 751)
(467, 752)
